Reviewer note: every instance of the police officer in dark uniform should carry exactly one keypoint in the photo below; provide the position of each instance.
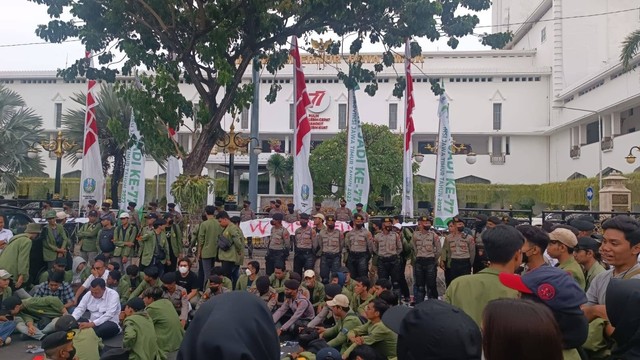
(305, 244)
(331, 243)
(278, 245)
(388, 246)
(426, 247)
(359, 244)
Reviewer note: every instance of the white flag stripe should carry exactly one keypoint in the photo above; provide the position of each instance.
(133, 181)
(357, 176)
(446, 198)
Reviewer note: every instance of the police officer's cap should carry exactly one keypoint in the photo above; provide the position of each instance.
(387, 219)
(171, 205)
(494, 220)
(291, 205)
(278, 216)
(424, 218)
(582, 225)
(151, 215)
(359, 205)
(92, 202)
(330, 218)
(304, 216)
(222, 215)
(132, 204)
(247, 202)
(57, 339)
(67, 323)
(159, 222)
(278, 202)
(358, 217)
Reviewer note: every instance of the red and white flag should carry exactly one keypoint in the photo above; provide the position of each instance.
(407, 170)
(173, 170)
(92, 178)
(302, 183)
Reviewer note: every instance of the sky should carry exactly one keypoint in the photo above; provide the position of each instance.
(20, 18)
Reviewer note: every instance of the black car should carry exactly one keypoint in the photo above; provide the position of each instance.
(15, 218)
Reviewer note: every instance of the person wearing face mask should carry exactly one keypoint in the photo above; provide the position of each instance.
(359, 243)
(247, 214)
(247, 279)
(214, 289)
(278, 244)
(343, 213)
(535, 243)
(59, 346)
(458, 251)
(264, 291)
(177, 295)
(305, 243)
(472, 293)
(56, 241)
(188, 280)
(388, 246)
(174, 242)
(331, 243)
(426, 246)
(480, 261)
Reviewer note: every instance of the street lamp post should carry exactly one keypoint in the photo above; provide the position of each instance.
(59, 146)
(234, 143)
(631, 158)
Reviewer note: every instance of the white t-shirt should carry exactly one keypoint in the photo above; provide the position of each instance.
(5, 236)
(87, 283)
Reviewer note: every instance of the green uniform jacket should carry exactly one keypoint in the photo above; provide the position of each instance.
(5, 294)
(377, 336)
(336, 336)
(243, 283)
(15, 257)
(318, 293)
(88, 234)
(49, 246)
(358, 305)
(124, 290)
(140, 337)
(234, 235)
(572, 267)
(68, 277)
(175, 238)
(595, 269)
(167, 325)
(33, 309)
(121, 236)
(277, 284)
(148, 246)
(472, 293)
(208, 234)
(144, 286)
(87, 344)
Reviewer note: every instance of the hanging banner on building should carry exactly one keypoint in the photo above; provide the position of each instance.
(92, 177)
(357, 175)
(133, 181)
(407, 167)
(302, 182)
(446, 197)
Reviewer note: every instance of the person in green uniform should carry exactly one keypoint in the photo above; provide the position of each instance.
(124, 237)
(374, 333)
(315, 287)
(174, 242)
(361, 296)
(88, 237)
(247, 280)
(5, 289)
(587, 254)
(56, 242)
(208, 234)
(31, 314)
(166, 322)
(229, 251)
(86, 342)
(15, 256)
(562, 243)
(154, 249)
(122, 287)
(277, 279)
(346, 320)
(139, 334)
(58, 266)
(472, 293)
(150, 280)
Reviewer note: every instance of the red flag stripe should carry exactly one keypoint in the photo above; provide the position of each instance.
(409, 128)
(302, 98)
(91, 127)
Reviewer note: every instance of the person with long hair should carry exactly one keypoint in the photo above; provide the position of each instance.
(520, 329)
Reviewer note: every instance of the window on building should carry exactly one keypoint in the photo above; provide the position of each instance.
(342, 116)
(58, 115)
(543, 35)
(592, 132)
(183, 140)
(508, 146)
(244, 119)
(497, 116)
(496, 146)
(292, 116)
(393, 116)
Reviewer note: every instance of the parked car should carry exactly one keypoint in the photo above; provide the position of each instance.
(16, 219)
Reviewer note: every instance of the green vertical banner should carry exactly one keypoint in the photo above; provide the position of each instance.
(446, 195)
(357, 175)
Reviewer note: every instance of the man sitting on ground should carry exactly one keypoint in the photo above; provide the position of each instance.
(103, 305)
(296, 307)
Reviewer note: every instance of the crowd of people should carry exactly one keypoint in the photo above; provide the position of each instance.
(510, 291)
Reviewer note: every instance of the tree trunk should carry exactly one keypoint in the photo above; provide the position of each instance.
(118, 173)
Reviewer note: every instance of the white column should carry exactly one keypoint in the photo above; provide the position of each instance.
(236, 182)
(607, 123)
(490, 145)
(615, 124)
(286, 144)
(582, 134)
(503, 145)
(272, 185)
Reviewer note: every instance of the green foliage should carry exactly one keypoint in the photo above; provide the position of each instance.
(191, 192)
(210, 44)
(328, 161)
(281, 168)
(630, 48)
(20, 129)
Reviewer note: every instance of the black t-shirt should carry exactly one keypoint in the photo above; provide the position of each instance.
(188, 283)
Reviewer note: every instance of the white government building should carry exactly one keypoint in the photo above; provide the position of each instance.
(511, 107)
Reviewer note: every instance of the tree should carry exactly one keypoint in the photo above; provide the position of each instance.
(281, 168)
(211, 44)
(20, 129)
(630, 48)
(113, 115)
(328, 162)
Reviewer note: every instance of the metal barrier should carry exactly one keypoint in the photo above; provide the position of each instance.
(469, 214)
(565, 216)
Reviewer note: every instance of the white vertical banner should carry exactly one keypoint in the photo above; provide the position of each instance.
(357, 175)
(446, 197)
(302, 182)
(92, 177)
(173, 170)
(407, 167)
(133, 181)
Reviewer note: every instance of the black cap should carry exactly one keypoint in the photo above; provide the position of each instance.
(66, 323)
(151, 215)
(215, 279)
(92, 202)
(332, 290)
(424, 218)
(132, 204)
(304, 216)
(452, 333)
(583, 225)
(11, 302)
(330, 218)
(93, 213)
(318, 204)
(291, 205)
(57, 339)
(588, 243)
(159, 222)
(278, 202)
(171, 205)
(494, 220)
(482, 217)
(222, 215)
(67, 204)
(278, 216)
(292, 284)
(61, 261)
(358, 217)
(247, 202)
(359, 205)
(136, 304)
(218, 203)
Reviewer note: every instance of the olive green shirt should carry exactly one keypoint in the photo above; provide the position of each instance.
(169, 331)
(317, 293)
(594, 270)
(572, 267)
(472, 293)
(336, 336)
(34, 308)
(140, 337)
(208, 234)
(377, 336)
(235, 237)
(87, 344)
(358, 305)
(15, 257)
(143, 286)
(88, 234)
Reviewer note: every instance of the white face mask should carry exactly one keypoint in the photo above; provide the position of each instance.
(183, 269)
(248, 272)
